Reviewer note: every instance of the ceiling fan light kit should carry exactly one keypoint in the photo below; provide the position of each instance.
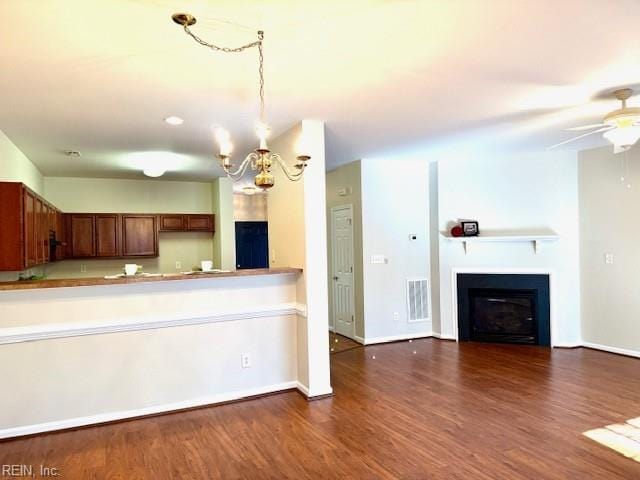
(261, 159)
(621, 127)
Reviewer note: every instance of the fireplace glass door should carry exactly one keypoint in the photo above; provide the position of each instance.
(503, 315)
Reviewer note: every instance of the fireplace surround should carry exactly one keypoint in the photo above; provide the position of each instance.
(504, 308)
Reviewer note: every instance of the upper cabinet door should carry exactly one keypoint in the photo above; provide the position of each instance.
(61, 236)
(44, 232)
(82, 236)
(139, 235)
(30, 245)
(38, 227)
(107, 235)
(172, 223)
(200, 223)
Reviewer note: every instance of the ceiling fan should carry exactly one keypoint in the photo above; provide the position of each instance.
(621, 127)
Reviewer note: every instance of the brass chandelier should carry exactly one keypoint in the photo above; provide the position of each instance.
(261, 159)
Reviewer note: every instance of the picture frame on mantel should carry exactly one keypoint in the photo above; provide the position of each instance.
(470, 228)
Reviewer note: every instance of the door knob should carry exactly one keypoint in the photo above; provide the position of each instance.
(335, 278)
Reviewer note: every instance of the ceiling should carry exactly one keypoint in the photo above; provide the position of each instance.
(386, 76)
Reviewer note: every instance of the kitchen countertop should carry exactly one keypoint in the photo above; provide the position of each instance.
(168, 277)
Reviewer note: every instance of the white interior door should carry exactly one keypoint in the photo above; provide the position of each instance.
(342, 269)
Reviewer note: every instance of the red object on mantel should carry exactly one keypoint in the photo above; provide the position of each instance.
(457, 231)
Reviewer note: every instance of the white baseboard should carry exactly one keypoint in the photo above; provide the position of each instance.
(567, 345)
(331, 328)
(139, 412)
(606, 348)
(393, 338)
(358, 339)
(309, 394)
(443, 337)
(303, 388)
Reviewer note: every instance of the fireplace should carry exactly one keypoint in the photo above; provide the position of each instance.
(504, 308)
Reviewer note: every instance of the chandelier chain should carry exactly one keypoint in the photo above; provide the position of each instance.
(257, 43)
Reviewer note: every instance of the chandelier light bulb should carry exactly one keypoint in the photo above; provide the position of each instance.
(302, 146)
(263, 130)
(224, 141)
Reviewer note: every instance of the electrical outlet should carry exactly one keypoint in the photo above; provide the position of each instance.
(246, 360)
(396, 317)
(608, 258)
(178, 265)
(83, 268)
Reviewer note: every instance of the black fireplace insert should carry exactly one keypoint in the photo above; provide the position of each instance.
(504, 308)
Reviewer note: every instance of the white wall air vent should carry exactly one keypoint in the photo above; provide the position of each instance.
(418, 299)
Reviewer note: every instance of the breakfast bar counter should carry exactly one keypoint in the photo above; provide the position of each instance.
(125, 347)
(144, 278)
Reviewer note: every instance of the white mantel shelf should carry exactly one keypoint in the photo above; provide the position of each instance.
(535, 237)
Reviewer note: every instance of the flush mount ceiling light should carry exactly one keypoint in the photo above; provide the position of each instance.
(621, 127)
(72, 153)
(261, 159)
(173, 120)
(154, 172)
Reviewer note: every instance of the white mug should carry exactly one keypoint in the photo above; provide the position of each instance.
(130, 269)
(206, 265)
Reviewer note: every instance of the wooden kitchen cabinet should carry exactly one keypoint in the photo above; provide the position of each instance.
(43, 240)
(34, 232)
(139, 235)
(107, 233)
(29, 219)
(200, 223)
(25, 228)
(61, 236)
(172, 223)
(187, 222)
(81, 235)
(112, 235)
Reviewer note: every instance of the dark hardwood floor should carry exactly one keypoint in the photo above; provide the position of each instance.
(339, 343)
(447, 411)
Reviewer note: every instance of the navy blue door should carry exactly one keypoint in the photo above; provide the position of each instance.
(252, 245)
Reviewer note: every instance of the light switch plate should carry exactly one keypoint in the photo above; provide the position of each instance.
(608, 258)
(378, 259)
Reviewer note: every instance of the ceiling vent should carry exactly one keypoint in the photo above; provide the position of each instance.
(418, 299)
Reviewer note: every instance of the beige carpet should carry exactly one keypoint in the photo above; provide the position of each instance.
(624, 438)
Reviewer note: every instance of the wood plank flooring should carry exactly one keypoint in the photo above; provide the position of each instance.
(339, 343)
(447, 411)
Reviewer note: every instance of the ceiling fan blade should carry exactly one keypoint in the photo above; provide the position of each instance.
(581, 136)
(586, 127)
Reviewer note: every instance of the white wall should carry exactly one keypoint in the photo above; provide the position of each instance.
(395, 204)
(224, 241)
(100, 195)
(249, 208)
(16, 167)
(298, 238)
(537, 190)
(608, 225)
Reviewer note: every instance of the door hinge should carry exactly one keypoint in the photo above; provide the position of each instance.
(353, 318)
